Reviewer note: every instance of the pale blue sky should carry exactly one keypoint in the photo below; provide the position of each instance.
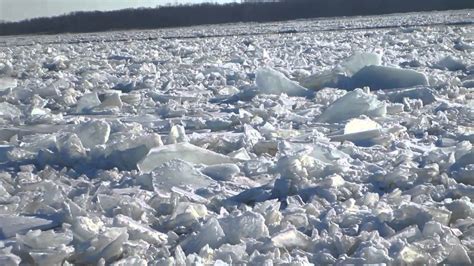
(14, 10)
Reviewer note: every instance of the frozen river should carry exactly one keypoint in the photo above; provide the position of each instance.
(331, 141)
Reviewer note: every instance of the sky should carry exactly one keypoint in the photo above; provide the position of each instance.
(14, 10)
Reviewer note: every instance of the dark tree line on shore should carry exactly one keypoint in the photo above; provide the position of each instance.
(188, 15)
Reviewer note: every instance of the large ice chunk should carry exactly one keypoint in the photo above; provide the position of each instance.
(221, 171)
(11, 225)
(384, 77)
(211, 234)
(356, 62)
(360, 125)
(182, 151)
(450, 63)
(426, 95)
(270, 81)
(87, 102)
(340, 77)
(174, 173)
(54, 253)
(108, 245)
(93, 133)
(353, 104)
(247, 225)
(362, 132)
(139, 231)
(9, 111)
(177, 134)
(291, 238)
(7, 83)
(328, 79)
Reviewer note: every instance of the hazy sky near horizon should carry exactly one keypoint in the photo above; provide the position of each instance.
(14, 10)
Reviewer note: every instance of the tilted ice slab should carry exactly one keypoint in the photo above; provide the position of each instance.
(353, 104)
(362, 70)
(181, 151)
(270, 81)
(340, 76)
(383, 77)
(11, 225)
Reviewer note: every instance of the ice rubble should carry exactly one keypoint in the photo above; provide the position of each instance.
(207, 151)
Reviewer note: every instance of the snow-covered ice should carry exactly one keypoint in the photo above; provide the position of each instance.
(332, 141)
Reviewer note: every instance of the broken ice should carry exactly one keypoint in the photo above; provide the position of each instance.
(288, 143)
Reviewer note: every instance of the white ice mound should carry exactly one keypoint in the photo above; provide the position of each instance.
(356, 62)
(366, 132)
(7, 83)
(174, 173)
(360, 125)
(270, 81)
(383, 77)
(353, 104)
(181, 151)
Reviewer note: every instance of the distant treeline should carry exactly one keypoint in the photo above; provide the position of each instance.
(188, 15)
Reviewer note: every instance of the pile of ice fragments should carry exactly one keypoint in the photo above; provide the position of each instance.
(347, 147)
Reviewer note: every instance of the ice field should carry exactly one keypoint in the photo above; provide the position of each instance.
(331, 141)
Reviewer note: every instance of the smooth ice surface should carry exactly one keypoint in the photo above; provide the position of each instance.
(383, 77)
